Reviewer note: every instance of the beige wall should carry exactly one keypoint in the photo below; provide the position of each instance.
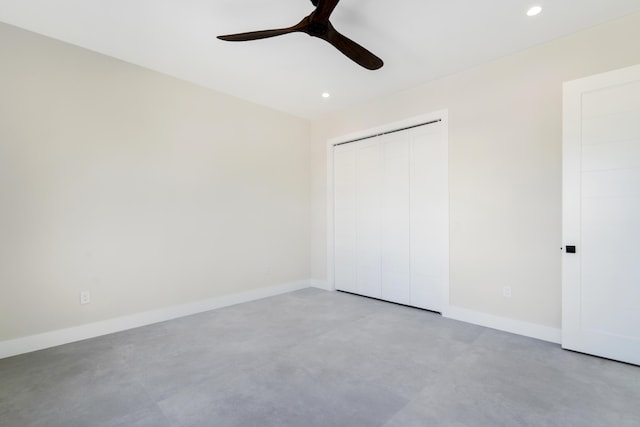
(505, 136)
(152, 192)
(143, 189)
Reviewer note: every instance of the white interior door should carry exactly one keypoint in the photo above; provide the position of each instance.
(396, 227)
(601, 215)
(369, 217)
(391, 217)
(429, 218)
(345, 232)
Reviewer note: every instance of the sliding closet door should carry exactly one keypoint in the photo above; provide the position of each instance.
(396, 229)
(429, 217)
(369, 217)
(391, 217)
(345, 218)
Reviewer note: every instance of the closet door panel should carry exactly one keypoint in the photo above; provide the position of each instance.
(429, 217)
(392, 217)
(396, 231)
(369, 217)
(345, 238)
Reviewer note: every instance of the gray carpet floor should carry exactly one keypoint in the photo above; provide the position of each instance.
(316, 358)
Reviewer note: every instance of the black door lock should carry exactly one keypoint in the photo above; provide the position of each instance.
(570, 249)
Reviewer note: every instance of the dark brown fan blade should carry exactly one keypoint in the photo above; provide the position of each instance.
(351, 49)
(324, 9)
(317, 24)
(256, 35)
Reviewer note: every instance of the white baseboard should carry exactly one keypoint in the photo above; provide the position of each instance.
(65, 336)
(321, 284)
(544, 333)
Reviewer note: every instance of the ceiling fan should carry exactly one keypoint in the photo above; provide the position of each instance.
(317, 25)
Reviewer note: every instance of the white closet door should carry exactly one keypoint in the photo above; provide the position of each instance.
(429, 217)
(392, 217)
(369, 217)
(396, 230)
(345, 219)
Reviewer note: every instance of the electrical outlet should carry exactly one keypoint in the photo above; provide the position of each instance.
(506, 292)
(85, 297)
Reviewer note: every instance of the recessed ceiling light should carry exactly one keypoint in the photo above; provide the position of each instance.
(326, 95)
(535, 10)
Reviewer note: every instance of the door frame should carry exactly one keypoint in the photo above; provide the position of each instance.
(443, 116)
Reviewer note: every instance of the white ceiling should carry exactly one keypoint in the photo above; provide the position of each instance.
(419, 40)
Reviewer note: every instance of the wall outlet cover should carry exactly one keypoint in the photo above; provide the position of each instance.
(85, 297)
